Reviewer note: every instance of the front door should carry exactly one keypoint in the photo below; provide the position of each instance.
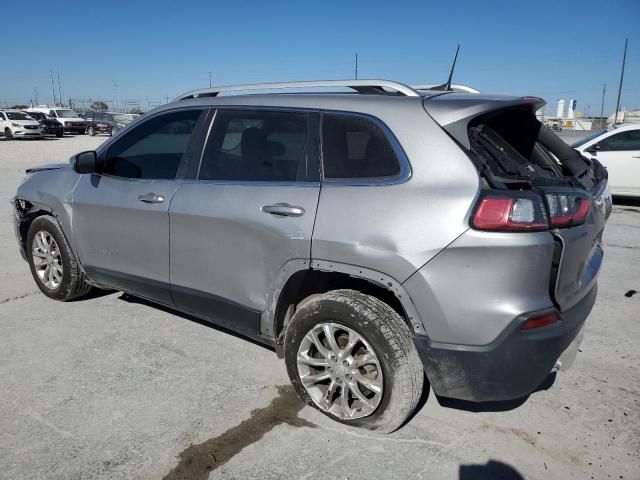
(120, 216)
(251, 210)
(620, 154)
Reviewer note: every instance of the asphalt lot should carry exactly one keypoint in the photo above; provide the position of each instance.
(112, 388)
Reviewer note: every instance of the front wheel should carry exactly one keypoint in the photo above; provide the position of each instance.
(91, 131)
(8, 134)
(351, 356)
(53, 264)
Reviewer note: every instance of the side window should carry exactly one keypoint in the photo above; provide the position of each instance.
(623, 141)
(256, 146)
(153, 149)
(356, 148)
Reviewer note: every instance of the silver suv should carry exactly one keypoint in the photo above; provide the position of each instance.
(380, 241)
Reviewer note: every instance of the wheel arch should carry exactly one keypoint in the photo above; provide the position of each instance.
(300, 279)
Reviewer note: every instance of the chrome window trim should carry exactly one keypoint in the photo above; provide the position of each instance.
(405, 166)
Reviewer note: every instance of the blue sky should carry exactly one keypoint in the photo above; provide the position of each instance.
(554, 49)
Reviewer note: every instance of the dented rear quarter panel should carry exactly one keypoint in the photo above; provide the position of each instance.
(398, 227)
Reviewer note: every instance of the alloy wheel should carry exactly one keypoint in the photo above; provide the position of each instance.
(340, 371)
(47, 260)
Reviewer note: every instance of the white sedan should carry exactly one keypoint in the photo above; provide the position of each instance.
(15, 124)
(619, 151)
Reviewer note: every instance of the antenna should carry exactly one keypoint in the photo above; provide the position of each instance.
(447, 86)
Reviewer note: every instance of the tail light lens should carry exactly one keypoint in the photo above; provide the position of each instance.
(566, 209)
(522, 211)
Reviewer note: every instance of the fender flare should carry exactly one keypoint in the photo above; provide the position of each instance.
(268, 316)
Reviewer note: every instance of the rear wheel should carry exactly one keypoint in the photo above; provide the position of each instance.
(8, 134)
(53, 265)
(59, 134)
(351, 356)
(91, 131)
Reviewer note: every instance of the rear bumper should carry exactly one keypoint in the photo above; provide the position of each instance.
(510, 367)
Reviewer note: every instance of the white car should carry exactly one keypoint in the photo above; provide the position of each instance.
(15, 124)
(70, 120)
(619, 151)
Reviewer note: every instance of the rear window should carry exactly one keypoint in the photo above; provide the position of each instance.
(353, 147)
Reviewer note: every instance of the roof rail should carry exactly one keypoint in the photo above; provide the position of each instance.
(454, 87)
(376, 87)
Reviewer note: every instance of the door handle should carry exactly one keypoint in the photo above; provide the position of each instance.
(150, 198)
(635, 156)
(283, 210)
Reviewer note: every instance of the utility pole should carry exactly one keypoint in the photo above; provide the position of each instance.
(167, 97)
(604, 90)
(209, 78)
(59, 89)
(35, 91)
(624, 60)
(53, 88)
(356, 68)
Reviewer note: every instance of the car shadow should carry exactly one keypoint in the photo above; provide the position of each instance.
(126, 297)
(502, 406)
(492, 470)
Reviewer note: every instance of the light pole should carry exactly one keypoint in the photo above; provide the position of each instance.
(115, 95)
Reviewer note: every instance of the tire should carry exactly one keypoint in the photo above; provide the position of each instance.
(60, 134)
(71, 283)
(396, 371)
(8, 134)
(91, 131)
(112, 132)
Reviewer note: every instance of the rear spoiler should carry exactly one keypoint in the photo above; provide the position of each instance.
(454, 111)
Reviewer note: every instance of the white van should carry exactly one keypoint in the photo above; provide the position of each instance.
(70, 120)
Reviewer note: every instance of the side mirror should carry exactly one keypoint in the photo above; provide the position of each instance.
(593, 149)
(85, 162)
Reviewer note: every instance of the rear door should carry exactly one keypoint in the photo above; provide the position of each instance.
(620, 154)
(120, 218)
(250, 211)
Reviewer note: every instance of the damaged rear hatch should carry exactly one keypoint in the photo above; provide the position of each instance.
(516, 155)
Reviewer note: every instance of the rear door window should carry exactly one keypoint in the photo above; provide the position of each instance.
(353, 147)
(257, 146)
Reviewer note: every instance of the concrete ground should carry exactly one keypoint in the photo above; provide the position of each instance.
(111, 388)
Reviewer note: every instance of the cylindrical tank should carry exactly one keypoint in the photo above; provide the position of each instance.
(571, 109)
(560, 111)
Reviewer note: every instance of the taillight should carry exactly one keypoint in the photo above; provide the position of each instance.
(521, 211)
(566, 209)
(539, 322)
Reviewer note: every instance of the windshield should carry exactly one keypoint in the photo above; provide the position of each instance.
(121, 117)
(18, 116)
(67, 114)
(588, 138)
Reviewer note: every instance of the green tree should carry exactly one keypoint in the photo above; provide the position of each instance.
(99, 106)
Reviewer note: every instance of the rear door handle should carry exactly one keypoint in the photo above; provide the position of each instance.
(150, 198)
(283, 210)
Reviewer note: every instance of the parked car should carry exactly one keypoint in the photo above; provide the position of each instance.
(48, 125)
(100, 122)
(619, 151)
(370, 238)
(16, 124)
(70, 119)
